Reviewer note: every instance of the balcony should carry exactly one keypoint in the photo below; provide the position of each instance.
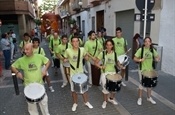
(64, 13)
(16, 7)
(76, 6)
(95, 2)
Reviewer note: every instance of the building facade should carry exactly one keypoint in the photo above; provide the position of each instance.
(17, 15)
(93, 14)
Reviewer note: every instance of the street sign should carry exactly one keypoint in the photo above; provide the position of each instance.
(141, 5)
(140, 17)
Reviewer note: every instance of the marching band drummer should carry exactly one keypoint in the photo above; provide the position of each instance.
(120, 48)
(31, 65)
(38, 50)
(60, 54)
(146, 64)
(93, 48)
(71, 55)
(108, 67)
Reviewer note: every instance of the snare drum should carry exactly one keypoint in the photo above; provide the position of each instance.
(80, 83)
(34, 92)
(113, 82)
(123, 59)
(149, 78)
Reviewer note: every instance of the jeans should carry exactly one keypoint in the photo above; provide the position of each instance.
(7, 56)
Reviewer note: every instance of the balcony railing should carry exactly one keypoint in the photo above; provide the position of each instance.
(76, 6)
(63, 13)
(16, 7)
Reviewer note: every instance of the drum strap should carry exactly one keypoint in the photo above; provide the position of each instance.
(78, 60)
(115, 66)
(96, 47)
(141, 56)
(39, 51)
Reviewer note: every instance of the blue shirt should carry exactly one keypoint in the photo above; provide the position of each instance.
(5, 44)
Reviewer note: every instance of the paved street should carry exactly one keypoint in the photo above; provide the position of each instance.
(60, 102)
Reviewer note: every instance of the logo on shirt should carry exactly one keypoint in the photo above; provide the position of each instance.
(74, 58)
(110, 60)
(119, 44)
(148, 55)
(32, 67)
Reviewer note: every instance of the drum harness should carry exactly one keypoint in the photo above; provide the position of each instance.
(78, 60)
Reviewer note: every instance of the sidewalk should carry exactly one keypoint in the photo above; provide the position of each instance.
(60, 102)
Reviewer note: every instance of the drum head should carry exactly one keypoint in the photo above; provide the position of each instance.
(34, 91)
(122, 58)
(79, 78)
(114, 77)
(149, 73)
(66, 64)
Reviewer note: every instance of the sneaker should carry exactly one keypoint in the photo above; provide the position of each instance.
(64, 84)
(113, 101)
(139, 101)
(104, 104)
(89, 105)
(123, 84)
(74, 107)
(151, 100)
(51, 89)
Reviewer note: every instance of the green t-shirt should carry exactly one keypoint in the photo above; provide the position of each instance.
(23, 43)
(50, 37)
(120, 44)
(31, 67)
(90, 46)
(101, 40)
(109, 61)
(36, 51)
(61, 49)
(54, 43)
(72, 56)
(148, 56)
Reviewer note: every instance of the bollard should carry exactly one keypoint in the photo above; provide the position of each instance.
(15, 82)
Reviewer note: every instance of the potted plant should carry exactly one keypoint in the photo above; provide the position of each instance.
(71, 22)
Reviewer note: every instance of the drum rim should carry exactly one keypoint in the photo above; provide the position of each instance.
(113, 80)
(73, 76)
(156, 74)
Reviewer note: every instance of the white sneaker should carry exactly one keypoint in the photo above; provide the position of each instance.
(74, 107)
(151, 100)
(104, 104)
(123, 84)
(89, 105)
(64, 84)
(139, 101)
(51, 89)
(113, 101)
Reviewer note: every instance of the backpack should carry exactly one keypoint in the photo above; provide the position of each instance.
(140, 39)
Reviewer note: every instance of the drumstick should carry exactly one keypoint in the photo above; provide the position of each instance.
(128, 51)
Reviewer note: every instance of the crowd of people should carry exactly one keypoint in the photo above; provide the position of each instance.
(73, 57)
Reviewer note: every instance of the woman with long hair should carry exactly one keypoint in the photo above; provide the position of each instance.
(145, 56)
(108, 67)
